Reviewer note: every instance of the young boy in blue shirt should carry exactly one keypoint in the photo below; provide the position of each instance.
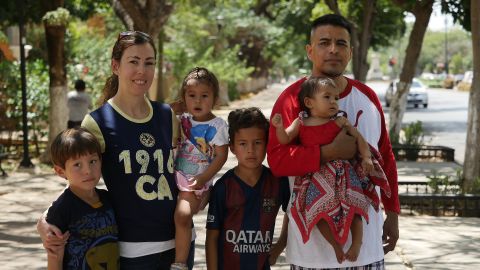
(245, 201)
(82, 209)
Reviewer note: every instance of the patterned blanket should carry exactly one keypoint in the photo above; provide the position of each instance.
(338, 191)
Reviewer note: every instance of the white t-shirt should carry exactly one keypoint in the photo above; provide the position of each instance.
(78, 104)
(205, 136)
(317, 252)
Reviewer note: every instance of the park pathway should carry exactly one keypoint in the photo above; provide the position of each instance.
(425, 242)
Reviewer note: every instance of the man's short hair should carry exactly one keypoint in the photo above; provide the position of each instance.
(332, 19)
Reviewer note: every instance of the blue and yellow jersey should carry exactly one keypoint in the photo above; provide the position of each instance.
(93, 241)
(137, 167)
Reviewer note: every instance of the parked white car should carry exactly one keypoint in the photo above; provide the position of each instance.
(417, 96)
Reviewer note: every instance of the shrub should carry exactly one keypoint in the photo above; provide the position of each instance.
(413, 134)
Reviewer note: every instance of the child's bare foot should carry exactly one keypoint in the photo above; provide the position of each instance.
(339, 253)
(353, 251)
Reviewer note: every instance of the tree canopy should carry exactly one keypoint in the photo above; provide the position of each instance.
(235, 39)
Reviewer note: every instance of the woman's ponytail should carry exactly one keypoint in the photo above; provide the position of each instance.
(109, 90)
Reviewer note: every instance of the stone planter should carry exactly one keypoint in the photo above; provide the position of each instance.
(442, 200)
(462, 205)
(415, 152)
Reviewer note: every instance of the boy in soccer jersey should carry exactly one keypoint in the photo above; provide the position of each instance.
(244, 203)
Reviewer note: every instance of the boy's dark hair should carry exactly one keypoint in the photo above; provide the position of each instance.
(202, 75)
(79, 85)
(332, 19)
(310, 87)
(246, 118)
(72, 143)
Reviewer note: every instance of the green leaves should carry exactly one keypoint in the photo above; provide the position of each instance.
(37, 91)
(58, 17)
(198, 35)
(413, 134)
(3, 37)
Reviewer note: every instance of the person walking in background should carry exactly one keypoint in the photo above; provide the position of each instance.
(330, 50)
(78, 103)
(137, 137)
(245, 201)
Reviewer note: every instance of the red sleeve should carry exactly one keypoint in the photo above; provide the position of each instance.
(390, 169)
(385, 149)
(290, 159)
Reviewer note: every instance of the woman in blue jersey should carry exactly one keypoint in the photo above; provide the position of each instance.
(136, 136)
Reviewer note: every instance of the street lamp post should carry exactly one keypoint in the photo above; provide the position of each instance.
(26, 162)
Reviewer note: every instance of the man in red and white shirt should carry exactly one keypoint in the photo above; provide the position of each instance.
(330, 51)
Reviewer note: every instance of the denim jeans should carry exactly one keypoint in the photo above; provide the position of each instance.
(157, 261)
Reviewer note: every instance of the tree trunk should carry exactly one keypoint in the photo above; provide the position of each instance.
(161, 95)
(471, 167)
(148, 16)
(122, 15)
(58, 112)
(422, 11)
(333, 6)
(360, 65)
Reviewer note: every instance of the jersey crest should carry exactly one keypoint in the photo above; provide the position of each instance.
(147, 139)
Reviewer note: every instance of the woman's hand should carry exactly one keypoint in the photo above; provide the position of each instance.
(52, 238)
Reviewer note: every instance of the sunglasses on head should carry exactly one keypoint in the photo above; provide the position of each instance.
(132, 33)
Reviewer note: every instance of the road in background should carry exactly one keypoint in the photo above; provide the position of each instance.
(444, 121)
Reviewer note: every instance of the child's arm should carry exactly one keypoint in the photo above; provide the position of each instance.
(362, 145)
(285, 136)
(281, 243)
(52, 237)
(211, 246)
(55, 259)
(220, 157)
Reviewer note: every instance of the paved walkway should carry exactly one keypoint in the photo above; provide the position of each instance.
(425, 242)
